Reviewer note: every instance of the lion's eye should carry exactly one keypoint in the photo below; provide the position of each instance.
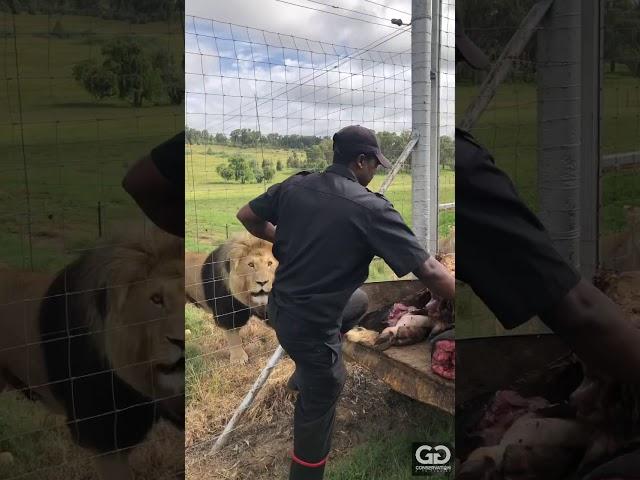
(270, 263)
(157, 299)
(252, 265)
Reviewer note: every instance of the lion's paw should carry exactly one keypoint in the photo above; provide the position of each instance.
(239, 356)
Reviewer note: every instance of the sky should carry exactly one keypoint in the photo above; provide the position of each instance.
(304, 71)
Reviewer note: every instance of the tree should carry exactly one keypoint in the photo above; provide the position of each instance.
(99, 82)
(220, 139)
(293, 161)
(137, 79)
(242, 171)
(447, 152)
(268, 170)
(258, 173)
(58, 30)
(279, 166)
(129, 72)
(225, 172)
(314, 155)
(172, 78)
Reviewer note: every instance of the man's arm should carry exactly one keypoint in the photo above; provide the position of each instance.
(256, 225)
(156, 196)
(437, 278)
(596, 330)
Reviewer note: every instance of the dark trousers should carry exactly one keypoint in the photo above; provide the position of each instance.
(319, 377)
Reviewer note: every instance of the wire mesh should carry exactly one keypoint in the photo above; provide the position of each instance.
(261, 106)
(513, 131)
(620, 126)
(67, 142)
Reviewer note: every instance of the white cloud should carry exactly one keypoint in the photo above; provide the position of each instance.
(310, 77)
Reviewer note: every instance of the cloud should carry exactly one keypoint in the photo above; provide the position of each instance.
(311, 78)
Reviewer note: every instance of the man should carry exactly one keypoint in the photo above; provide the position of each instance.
(506, 256)
(156, 183)
(329, 228)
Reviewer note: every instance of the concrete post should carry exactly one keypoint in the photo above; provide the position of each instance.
(424, 170)
(560, 126)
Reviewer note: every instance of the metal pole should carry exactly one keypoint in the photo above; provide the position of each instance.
(424, 171)
(435, 110)
(560, 126)
(592, 48)
(248, 399)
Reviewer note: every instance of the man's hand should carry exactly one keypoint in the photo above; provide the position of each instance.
(437, 278)
(596, 330)
(256, 225)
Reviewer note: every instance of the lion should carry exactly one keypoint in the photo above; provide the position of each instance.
(101, 342)
(232, 283)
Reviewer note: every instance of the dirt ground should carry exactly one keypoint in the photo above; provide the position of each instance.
(624, 289)
(259, 447)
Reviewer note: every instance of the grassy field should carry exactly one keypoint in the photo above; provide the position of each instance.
(64, 156)
(508, 129)
(64, 153)
(211, 203)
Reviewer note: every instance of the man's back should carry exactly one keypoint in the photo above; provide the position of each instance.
(329, 228)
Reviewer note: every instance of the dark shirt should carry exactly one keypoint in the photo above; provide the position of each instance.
(329, 228)
(504, 252)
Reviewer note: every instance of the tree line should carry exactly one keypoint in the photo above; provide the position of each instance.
(315, 157)
(135, 11)
(492, 23)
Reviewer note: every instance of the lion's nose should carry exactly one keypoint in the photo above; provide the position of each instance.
(177, 342)
(262, 283)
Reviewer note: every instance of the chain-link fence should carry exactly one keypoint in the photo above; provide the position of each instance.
(85, 93)
(260, 107)
(535, 113)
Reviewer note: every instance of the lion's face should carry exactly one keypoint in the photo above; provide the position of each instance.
(147, 347)
(251, 276)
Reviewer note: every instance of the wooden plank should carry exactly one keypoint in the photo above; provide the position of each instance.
(502, 66)
(405, 369)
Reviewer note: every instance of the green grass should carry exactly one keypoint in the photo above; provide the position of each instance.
(76, 149)
(34, 439)
(211, 203)
(387, 456)
(508, 129)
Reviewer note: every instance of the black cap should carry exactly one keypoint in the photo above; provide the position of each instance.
(469, 50)
(354, 140)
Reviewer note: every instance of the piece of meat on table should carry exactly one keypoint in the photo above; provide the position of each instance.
(505, 408)
(443, 359)
(398, 310)
(546, 434)
(402, 334)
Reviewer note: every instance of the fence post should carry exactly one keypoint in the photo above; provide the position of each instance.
(560, 126)
(592, 49)
(434, 156)
(424, 170)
